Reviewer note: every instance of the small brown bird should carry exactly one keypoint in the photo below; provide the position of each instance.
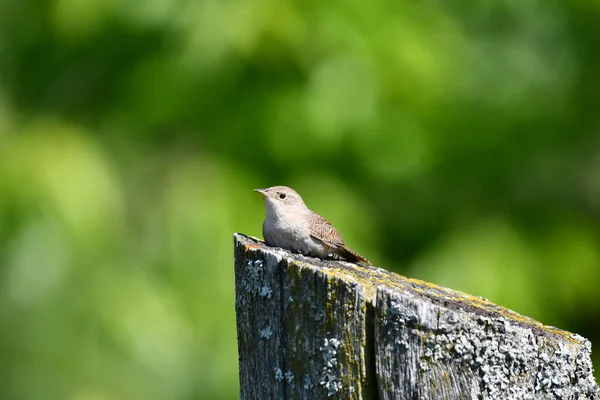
(291, 225)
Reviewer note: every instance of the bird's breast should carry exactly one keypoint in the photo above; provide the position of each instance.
(288, 233)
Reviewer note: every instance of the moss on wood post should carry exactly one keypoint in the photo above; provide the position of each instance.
(312, 329)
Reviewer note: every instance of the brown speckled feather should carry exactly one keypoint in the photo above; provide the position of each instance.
(321, 229)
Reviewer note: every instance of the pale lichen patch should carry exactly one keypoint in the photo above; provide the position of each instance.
(278, 374)
(266, 333)
(266, 291)
(330, 378)
(253, 278)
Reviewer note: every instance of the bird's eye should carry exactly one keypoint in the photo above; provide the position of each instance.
(282, 196)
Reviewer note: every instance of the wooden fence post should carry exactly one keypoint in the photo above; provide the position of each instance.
(312, 329)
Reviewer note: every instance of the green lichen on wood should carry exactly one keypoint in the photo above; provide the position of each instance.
(371, 278)
(316, 318)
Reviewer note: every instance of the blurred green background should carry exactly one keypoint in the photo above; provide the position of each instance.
(457, 142)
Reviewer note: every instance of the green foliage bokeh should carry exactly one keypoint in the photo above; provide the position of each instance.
(456, 142)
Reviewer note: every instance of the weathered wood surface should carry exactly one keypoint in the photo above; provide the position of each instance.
(312, 329)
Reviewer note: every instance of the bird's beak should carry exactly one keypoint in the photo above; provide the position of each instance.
(262, 191)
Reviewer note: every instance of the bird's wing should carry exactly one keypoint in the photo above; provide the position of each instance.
(321, 229)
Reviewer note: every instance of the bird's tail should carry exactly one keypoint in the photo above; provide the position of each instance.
(352, 256)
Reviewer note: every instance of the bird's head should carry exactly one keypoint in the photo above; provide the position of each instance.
(280, 200)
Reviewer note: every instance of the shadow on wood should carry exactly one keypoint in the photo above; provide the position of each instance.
(313, 329)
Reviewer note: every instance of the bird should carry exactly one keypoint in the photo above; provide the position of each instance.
(289, 224)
